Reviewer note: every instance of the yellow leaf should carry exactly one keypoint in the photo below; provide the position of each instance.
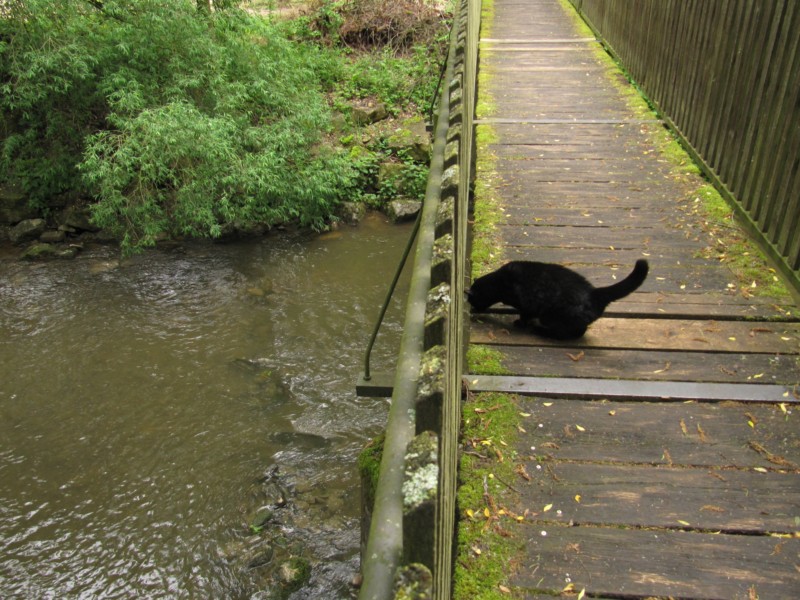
(733, 339)
(579, 428)
(612, 412)
(582, 594)
(578, 498)
(522, 414)
(476, 550)
(785, 339)
(547, 404)
(504, 589)
(749, 422)
(470, 513)
(760, 469)
(486, 512)
(783, 405)
(546, 508)
(520, 518)
(568, 588)
(758, 376)
(686, 523)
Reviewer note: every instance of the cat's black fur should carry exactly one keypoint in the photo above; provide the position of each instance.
(552, 300)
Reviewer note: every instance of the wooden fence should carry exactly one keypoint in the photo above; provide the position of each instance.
(725, 74)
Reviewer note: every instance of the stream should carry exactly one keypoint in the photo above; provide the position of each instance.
(149, 406)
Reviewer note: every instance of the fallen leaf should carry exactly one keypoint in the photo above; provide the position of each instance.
(665, 369)
(576, 357)
(504, 589)
(547, 404)
(684, 429)
(612, 412)
(578, 498)
(684, 523)
(522, 414)
(547, 507)
(579, 428)
(756, 330)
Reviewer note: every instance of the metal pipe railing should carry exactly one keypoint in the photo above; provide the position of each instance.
(389, 294)
(385, 543)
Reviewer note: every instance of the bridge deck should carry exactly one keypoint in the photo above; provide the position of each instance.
(667, 437)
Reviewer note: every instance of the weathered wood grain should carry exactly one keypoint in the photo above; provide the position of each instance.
(624, 563)
(668, 497)
(716, 435)
(652, 334)
(651, 365)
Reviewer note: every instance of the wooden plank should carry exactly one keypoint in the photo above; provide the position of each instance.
(631, 389)
(716, 435)
(650, 365)
(652, 334)
(668, 497)
(643, 564)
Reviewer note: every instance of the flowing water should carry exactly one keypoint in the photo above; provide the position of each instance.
(143, 401)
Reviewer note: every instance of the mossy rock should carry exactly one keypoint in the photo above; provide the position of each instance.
(39, 252)
(293, 574)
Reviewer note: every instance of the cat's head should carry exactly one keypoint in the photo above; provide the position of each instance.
(478, 296)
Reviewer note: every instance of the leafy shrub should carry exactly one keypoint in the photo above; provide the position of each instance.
(176, 120)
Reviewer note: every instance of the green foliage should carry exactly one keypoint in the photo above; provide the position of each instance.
(177, 121)
(399, 82)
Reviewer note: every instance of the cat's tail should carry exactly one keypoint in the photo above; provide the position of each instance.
(604, 296)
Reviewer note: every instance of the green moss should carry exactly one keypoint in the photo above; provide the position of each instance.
(484, 360)
(369, 467)
(489, 546)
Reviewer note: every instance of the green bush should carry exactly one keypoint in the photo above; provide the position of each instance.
(175, 120)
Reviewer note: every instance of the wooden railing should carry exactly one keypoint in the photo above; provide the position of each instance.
(725, 75)
(412, 521)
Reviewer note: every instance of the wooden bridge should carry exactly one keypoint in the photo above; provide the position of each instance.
(658, 456)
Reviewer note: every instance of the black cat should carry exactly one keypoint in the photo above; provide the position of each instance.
(552, 300)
